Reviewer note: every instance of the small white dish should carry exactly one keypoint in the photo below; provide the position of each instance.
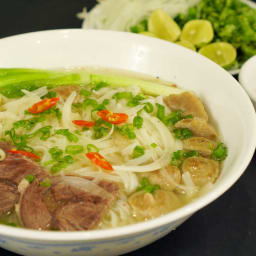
(247, 77)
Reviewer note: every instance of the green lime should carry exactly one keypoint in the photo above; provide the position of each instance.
(146, 33)
(187, 44)
(222, 53)
(197, 32)
(163, 26)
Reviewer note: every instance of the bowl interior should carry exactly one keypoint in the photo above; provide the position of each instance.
(228, 104)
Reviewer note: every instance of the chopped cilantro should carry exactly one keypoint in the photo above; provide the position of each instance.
(147, 187)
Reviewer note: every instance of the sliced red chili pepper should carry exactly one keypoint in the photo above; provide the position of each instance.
(99, 160)
(43, 105)
(84, 123)
(24, 153)
(113, 118)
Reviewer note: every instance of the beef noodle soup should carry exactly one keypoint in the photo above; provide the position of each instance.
(101, 152)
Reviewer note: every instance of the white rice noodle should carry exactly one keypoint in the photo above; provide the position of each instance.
(66, 112)
(191, 189)
(129, 180)
(168, 144)
(40, 92)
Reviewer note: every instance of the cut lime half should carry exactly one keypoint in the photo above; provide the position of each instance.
(187, 45)
(163, 26)
(198, 32)
(222, 53)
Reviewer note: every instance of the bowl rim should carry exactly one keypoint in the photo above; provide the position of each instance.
(248, 66)
(18, 234)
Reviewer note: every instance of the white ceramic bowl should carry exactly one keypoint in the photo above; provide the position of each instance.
(247, 78)
(225, 99)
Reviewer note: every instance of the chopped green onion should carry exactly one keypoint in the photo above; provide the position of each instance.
(219, 153)
(30, 178)
(90, 102)
(122, 95)
(135, 101)
(182, 133)
(127, 130)
(74, 149)
(140, 27)
(85, 93)
(62, 164)
(160, 114)
(138, 151)
(180, 155)
(147, 187)
(153, 145)
(49, 95)
(137, 122)
(92, 148)
(70, 136)
(56, 153)
(148, 107)
(99, 86)
(44, 131)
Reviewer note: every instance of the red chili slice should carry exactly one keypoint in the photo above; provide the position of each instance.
(99, 160)
(113, 118)
(84, 123)
(24, 153)
(43, 105)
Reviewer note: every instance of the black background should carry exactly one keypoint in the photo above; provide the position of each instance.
(225, 227)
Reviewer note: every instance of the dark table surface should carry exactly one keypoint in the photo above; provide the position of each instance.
(225, 227)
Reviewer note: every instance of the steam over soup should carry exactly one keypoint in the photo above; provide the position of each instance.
(81, 150)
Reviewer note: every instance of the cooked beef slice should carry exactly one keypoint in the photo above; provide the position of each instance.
(70, 203)
(199, 127)
(9, 196)
(15, 167)
(188, 103)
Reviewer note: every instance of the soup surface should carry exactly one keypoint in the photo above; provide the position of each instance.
(101, 153)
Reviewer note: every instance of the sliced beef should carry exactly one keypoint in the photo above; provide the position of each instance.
(9, 196)
(188, 103)
(199, 127)
(15, 167)
(70, 203)
(33, 211)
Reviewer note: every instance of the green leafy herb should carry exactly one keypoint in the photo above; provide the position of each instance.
(92, 148)
(147, 186)
(140, 27)
(45, 183)
(70, 136)
(137, 122)
(148, 107)
(30, 178)
(99, 86)
(74, 149)
(138, 151)
(180, 155)
(126, 130)
(85, 93)
(182, 133)
(101, 106)
(220, 152)
(122, 95)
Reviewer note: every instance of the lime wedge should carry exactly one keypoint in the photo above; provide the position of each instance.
(146, 33)
(222, 53)
(197, 32)
(187, 44)
(163, 26)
